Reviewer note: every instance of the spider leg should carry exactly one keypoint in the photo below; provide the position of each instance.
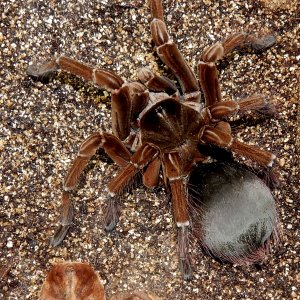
(142, 157)
(113, 148)
(220, 135)
(173, 170)
(155, 82)
(171, 56)
(105, 79)
(128, 99)
(207, 71)
(263, 157)
(218, 50)
(225, 108)
(209, 82)
(257, 103)
(126, 104)
(151, 174)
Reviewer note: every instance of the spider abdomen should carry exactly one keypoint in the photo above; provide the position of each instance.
(234, 213)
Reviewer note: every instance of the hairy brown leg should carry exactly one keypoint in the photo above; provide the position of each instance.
(218, 50)
(103, 78)
(126, 104)
(113, 148)
(209, 82)
(142, 157)
(151, 174)
(171, 56)
(155, 82)
(157, 9)
(220, 135)
(128, 99)
(226, 108)
(207, 71)
(263, 157)
(173, 170)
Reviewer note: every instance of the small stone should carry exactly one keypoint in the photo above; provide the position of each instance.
(294, 295)
(90, 209)
(281, 162)
(9, 244)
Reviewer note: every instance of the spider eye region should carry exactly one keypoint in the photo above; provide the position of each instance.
(169, 124)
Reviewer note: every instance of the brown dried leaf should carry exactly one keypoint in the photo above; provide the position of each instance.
(72, 281)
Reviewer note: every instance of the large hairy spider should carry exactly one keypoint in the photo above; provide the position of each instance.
(158, 127)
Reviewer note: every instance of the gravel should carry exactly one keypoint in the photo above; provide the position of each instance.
(43, 123)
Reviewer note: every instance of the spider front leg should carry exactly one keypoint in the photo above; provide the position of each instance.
(207, 71)
(171, 56)
(103, 78)
(113, 148)
(128, 99)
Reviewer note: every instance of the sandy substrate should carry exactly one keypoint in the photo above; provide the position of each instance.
(43, 123)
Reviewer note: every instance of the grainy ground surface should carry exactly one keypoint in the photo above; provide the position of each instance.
(42, 125)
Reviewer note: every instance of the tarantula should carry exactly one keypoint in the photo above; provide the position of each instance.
(159, 127)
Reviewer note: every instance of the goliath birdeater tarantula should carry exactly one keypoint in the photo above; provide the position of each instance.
(160, 127)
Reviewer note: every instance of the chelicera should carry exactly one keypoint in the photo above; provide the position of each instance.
(159, 127)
